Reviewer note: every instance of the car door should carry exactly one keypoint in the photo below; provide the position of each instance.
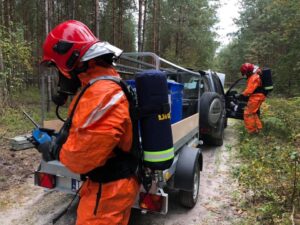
(235, 106)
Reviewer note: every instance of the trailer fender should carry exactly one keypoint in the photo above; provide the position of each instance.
(188, 159)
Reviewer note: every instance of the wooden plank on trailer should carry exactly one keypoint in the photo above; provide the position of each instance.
(185, 126)
(53, 124)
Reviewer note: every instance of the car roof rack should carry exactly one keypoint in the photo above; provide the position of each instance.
(130, 63)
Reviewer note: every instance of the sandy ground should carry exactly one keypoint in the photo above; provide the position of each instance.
(23, 203)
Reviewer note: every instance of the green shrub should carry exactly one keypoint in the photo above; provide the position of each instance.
(270, 165)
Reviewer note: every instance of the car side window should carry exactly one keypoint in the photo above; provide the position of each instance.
(191, 87)
(218, 85)
(204, 85)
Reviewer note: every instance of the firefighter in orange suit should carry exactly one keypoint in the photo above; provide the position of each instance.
(100, 124)
(256, 98)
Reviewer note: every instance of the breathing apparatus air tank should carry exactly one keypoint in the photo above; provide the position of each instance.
(155, 123)
(266, 79)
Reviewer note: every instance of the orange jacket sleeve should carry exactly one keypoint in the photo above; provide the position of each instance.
(101, 122)
(253, 82)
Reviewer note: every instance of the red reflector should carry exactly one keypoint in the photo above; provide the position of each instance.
(45, 180)
(151, 202)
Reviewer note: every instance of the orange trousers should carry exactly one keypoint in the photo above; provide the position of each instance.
(117, 198)
(251, 119)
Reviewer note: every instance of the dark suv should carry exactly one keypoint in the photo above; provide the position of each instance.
(209, 88)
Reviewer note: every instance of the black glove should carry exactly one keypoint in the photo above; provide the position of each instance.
(241, 97)
(237, 96)
(49, 150)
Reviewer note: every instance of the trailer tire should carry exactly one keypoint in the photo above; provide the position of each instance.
(189, 199)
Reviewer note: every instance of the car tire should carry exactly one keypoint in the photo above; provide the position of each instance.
(215, 121)
(210, 109)
(188, 199)
(215, 141)
(225, 122)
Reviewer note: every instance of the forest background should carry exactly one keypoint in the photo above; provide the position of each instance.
(183, 32)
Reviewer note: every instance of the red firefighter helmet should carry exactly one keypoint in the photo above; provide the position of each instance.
(247, 69)
(66, 44)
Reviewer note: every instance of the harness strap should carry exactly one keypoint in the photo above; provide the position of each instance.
(98, 198)
(123, 165)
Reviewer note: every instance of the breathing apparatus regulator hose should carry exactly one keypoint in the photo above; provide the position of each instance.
(58, 115)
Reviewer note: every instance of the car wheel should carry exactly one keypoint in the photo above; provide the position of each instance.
(211, 108)
(215, 140)
(189, 199)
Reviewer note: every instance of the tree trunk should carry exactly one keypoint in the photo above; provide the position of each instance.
(1, 61)
(97, 18)
(120, 30)
(73, 9)
(158, 28)
(140, 25)
(1, 13)
(46, 17)
(12, 9)
(38, 37)
(154, 24)
(114, 22)
(177, 37)
(6, 12)
(144, 26)
(50, 15)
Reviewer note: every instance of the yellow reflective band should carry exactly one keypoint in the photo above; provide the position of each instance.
(159, 156)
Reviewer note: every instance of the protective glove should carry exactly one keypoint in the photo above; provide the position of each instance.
(40, 136)
(45, 144)
(237, 96)
(241, 97)
(49, 150)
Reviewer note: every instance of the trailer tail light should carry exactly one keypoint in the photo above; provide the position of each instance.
(45, 180)
(151, 202)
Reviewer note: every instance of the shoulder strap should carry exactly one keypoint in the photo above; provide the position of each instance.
(117, 80)
(132, 107)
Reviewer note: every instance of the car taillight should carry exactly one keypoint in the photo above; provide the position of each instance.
(151, 202)
(45, 180)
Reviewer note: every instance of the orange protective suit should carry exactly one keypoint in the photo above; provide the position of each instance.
(100, 123)
(251, 119)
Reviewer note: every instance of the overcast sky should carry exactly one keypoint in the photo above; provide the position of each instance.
(226, 13)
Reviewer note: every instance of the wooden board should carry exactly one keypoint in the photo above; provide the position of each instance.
(53, 124)
(185, 126)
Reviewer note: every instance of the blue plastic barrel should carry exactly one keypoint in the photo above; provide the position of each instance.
(131, 83)
(176, 94)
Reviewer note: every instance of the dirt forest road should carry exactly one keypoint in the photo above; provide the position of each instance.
(26, 204)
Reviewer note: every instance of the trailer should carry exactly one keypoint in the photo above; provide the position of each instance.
(184, 173)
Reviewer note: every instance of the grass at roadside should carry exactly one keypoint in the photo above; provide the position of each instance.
(13, 121)
(269, 172)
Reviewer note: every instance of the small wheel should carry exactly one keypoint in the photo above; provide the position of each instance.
(189, 199)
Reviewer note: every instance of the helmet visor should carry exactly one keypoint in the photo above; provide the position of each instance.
(99, 49)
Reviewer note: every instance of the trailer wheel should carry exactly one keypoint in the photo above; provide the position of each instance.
(189, 199)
